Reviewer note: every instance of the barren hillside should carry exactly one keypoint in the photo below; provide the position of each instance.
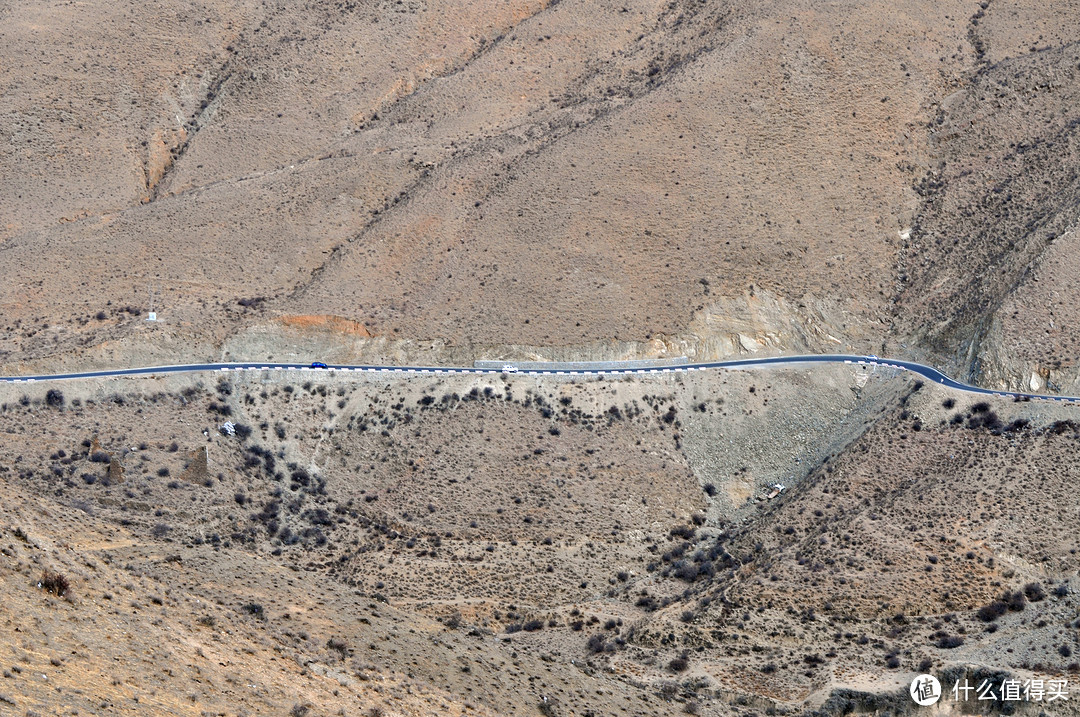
(497, 545)
(562, 176)
(410, 182)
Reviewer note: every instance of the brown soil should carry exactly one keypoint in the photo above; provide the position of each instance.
(333, 324)
(528, 174)
(416, 182)
(481, 543)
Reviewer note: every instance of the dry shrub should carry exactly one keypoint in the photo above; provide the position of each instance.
(55, 583)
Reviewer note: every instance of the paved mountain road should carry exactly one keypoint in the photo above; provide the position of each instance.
(927, 372)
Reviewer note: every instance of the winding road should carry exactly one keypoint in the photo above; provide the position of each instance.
(927, 372)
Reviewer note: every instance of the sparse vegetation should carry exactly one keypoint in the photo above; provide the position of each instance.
(992, 611)
(55, 583)
(679, 664)
(1034, 592)
(428, 183)
(254, 609)
(399, 478)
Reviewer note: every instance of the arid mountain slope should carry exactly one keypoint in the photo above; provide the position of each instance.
(483, 543)
(496, 174)
(995, 239)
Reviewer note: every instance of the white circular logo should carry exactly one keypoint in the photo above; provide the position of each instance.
(925, 690)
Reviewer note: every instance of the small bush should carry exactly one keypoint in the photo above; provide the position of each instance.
(55, 583)
(992, 611)
(595, 643)
(1034, 592)
(1014, 599)
(950, 642)
(99, 457)
(54, 398)
(254, 609)
(222, 409)
(679, 664)
(683, 531)
(988, 420)
(685, 570)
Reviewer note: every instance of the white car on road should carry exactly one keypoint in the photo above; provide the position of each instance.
(509, 368)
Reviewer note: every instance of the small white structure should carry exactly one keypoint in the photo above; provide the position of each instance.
(152, 313)
(228, 427)
(775, 489)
